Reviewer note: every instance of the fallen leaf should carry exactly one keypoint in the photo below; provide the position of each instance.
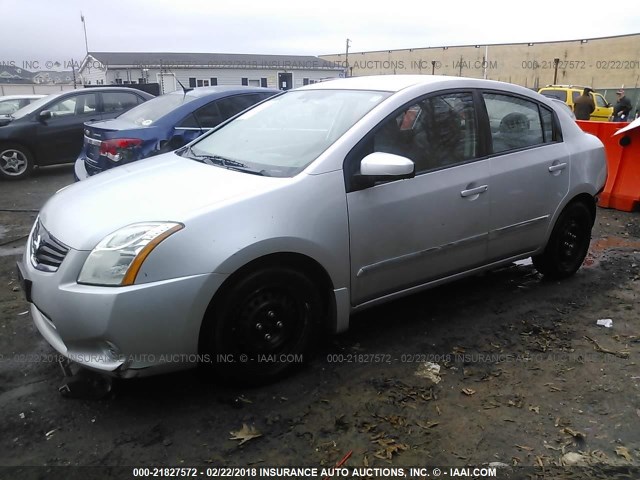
(468, 391)
(438, 410)
(524, 447)
(245, 434)
(389, 447)
(427, 425)
(624, 452)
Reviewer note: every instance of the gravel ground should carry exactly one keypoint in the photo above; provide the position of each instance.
(526, 378)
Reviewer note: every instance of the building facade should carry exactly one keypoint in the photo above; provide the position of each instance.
(602, 63)
(194, 70)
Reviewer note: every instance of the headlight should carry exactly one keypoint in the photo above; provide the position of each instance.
(117, 259)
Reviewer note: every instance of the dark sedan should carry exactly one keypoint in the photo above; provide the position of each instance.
(49, 130)
(161, 125)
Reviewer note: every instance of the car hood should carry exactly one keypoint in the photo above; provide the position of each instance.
(163, 188)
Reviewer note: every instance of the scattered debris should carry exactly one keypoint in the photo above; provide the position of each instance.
(86, 384)
(624, 452)
(21, 415)
(50, 433)
(468, 391)
(430, 371)
(598, 348)
(499, 465)
(534, 409)
(605, 322)
(23, 313)
(524, 447)
(245, 434)
(390, 447)
(573, 459)
(343, 461)
(427, 425)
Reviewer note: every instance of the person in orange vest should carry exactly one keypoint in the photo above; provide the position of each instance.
(583, 106)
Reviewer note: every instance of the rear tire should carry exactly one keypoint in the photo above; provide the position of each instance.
(260, 328)
(568, 244)
(16, 161)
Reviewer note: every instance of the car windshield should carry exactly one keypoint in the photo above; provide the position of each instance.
(280, 137)
(149, 112)
(32, 107)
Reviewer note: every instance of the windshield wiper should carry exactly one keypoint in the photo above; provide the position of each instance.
(224, 162)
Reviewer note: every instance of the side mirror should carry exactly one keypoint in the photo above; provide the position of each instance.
(379, 164)
(382, 167)
(44, 115)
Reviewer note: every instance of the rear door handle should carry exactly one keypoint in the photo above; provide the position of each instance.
(557, 167)
(474, 191)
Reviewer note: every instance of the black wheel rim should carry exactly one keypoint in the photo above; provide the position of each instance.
(573, 243)
(268, 321)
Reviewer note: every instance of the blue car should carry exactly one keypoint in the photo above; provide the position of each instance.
(161, 125)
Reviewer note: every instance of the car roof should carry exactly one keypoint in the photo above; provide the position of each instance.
(13, 97)
(396, 83)
(222, 89)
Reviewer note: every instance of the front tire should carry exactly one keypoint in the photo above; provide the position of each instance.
(16, 161)
(568, 244)
(262, 325)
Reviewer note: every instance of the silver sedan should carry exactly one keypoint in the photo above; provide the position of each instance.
(234, 251)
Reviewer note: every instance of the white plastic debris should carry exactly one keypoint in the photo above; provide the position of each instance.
(605, 322)
(430, 371)
(22, 415)
(572, 458)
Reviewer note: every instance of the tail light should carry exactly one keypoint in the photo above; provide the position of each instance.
(119, 148)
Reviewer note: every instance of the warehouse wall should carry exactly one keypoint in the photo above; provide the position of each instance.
(601, 63)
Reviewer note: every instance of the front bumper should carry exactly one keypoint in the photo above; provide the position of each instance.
(124, 331)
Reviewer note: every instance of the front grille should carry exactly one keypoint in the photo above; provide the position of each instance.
(47, 253)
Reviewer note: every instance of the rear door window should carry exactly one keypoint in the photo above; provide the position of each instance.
(118, 101)
(515, 122)
(209, 116)
(232, 105)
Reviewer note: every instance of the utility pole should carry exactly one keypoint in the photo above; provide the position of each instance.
(84, 25)
(556, 61)
(486, 61)
(346, 70)
(73, 69)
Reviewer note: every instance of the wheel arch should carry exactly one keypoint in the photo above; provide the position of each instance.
(297, 261)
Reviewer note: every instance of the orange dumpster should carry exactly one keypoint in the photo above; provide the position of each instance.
(622, 190)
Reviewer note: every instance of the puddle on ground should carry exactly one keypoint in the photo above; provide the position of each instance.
(600, 247)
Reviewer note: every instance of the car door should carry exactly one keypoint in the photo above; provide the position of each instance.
(603, 109)
(407, 232)
(530, 169)
(60, 137)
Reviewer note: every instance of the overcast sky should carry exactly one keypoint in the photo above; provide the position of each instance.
(51, 30)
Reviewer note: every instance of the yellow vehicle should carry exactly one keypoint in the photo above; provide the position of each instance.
(569, 93)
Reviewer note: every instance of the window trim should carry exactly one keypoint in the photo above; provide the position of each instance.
(557, 131)
(351, 186)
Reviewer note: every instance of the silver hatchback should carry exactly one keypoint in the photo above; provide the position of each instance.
(325, 200)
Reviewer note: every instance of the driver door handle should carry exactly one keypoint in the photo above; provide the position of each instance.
(474, 191)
